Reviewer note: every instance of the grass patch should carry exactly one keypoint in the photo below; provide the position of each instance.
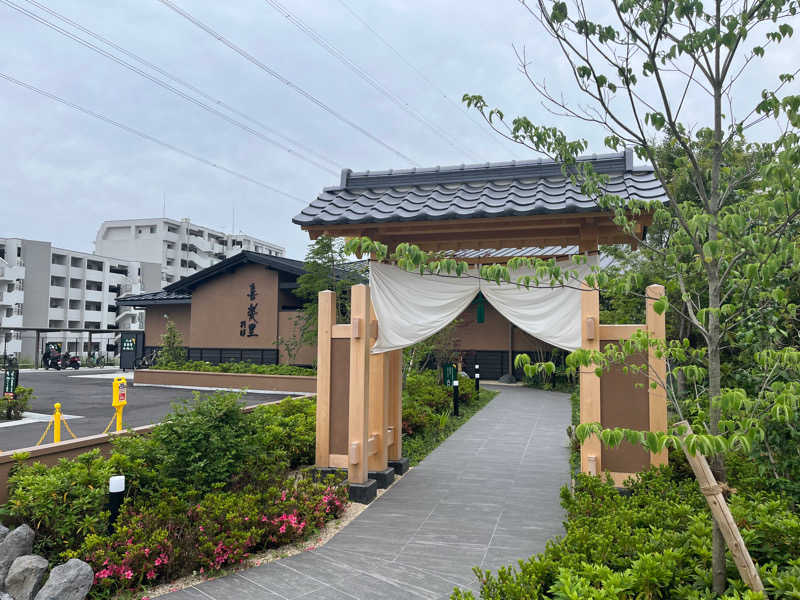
(418, 446)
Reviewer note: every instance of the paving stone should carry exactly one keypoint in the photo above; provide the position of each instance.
(488, 496)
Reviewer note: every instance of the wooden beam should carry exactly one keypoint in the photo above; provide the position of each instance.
(378, 399)
(613, 333)
(589, 381)
(342, 331)
(358, 422)
(326, 317)
(656, 327)
(338, 461)
(722, 515)
(395, 399)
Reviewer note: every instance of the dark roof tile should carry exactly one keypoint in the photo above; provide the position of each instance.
(468, 191)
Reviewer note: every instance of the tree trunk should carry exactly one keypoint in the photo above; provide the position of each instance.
(717, 463)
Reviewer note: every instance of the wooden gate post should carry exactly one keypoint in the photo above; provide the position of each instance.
(326, 319)
(591, 449)
(395, 418)
(362, 489)
(378, 411)
(656, 327)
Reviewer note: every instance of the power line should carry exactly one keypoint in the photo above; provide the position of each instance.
(146, 136)
(364, 75)
(308, 96)
(184, 83)
(163, 84)
(425, 78)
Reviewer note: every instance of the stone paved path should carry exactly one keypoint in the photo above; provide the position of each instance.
(488, 496)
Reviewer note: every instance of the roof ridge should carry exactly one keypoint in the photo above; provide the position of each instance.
(615, 162)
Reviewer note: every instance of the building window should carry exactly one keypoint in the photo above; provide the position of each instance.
(76, 262)
(58, 259)
(57, 281)
(94, 265)
(74, 304)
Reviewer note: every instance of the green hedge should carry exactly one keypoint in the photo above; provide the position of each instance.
(654, 544)
(207, 487)
(234, 367)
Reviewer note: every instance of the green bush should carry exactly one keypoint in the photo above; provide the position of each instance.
(170, 537)
(13, 407)
(65, 502)
(424, 388)
(286, 430)
(234, 367)
(203, 442)
(654, 544)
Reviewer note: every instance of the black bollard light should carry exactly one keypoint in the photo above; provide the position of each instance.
(477, 380)
(116, 494)
(455, 396)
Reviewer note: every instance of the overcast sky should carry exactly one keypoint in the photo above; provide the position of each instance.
(63, 172)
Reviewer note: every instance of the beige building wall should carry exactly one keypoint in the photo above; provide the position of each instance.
(493, 333)
(288, 328)
(220, 305)
(155, 324)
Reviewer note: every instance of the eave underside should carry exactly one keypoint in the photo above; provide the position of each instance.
(586, 230)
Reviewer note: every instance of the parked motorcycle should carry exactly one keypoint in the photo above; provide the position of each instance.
(69, 360)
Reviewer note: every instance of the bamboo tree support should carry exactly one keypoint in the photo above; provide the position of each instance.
(591, 449)
(722, 515)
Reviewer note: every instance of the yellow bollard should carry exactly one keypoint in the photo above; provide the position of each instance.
(120, 398)
(57, 423)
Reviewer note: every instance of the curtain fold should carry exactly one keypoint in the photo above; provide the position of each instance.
(411, 307)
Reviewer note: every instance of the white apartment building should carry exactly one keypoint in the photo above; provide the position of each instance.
(180, 247)
(46, 287)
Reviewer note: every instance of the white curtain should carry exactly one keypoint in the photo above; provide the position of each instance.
(411, 307)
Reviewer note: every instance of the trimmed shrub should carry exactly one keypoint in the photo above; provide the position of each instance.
(654, 544)
(234, 367)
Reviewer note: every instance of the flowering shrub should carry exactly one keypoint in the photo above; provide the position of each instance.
(207, 488)
(161, 540)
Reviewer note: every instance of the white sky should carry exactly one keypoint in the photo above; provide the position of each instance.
(62, 172)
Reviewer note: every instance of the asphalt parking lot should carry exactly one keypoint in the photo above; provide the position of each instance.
(90, 399)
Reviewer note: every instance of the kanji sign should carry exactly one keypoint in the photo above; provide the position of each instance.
(247, 328)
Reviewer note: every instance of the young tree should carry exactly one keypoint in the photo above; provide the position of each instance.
(172, 349)
(323, 272)
(638, 66)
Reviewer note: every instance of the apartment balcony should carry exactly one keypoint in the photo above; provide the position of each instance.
(93, 295)
(93, 316)
(74, 314)
(58, 270)
(58, 291)
(15, 297)
(56, 314)
(12, 321)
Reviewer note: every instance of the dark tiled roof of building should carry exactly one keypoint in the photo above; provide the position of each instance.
(153, 298)
(472, 191)
(278, 263)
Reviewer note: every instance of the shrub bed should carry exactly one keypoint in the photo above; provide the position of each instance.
(234, 367)
(206, 488)
(654, 544)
